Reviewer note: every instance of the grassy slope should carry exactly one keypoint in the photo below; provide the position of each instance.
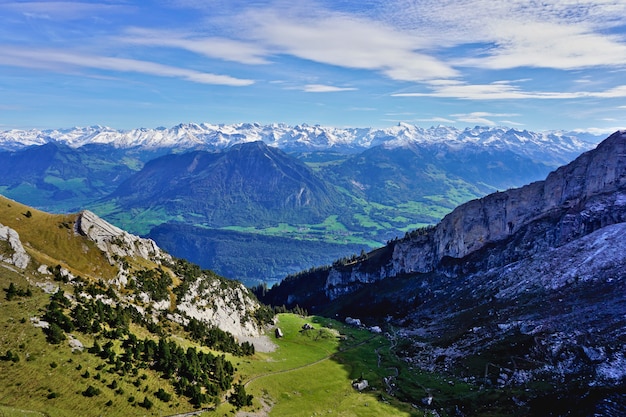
(301, 377)
(311, 372)
(49, 239)
(26, 384)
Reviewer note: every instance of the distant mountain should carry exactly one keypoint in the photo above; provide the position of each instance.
(430, 172)
(250, 184)
(512, 289)
(557, 147)
(59, 178)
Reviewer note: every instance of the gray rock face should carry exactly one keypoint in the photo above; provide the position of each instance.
(576, 199)
(557, 315)
(115, 241)
(17, 254)
(228, 307)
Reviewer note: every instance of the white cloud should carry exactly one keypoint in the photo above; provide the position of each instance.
(437, 120)
(510, 123)
(483, 118)
(597, 131)
(407, 40)
(484, 114)
(61, 61)
(346, 41)
(320, 88)
(560, 34)
(505, 91)
(213, 47)
(548, 45)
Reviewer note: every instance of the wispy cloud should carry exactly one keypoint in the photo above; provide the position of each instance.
(481, 118)
(599, 130)
(510, 123)
(559, 34)
(346, 41)
(213, 47)
(64, 10)
(450, 56)
(503, 90)
(548, 45)
(320, 88)
(60, 61)
(437, 120)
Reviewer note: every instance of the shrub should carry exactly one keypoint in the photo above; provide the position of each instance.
(162, 395)
(146, 403)
(91, 391)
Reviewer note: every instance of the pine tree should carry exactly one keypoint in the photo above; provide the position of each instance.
(11, 292)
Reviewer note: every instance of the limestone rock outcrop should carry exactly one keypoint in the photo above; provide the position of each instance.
(227, 306)
(16, 254)
(114, 241)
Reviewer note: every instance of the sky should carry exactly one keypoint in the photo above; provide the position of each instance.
(536, 65)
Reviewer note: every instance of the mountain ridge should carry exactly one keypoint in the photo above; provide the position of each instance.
(564, 145)
(498, 216)
(308, 183)
(84, 245)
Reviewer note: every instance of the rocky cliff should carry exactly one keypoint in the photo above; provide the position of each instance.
(576, 199)
(114, 241)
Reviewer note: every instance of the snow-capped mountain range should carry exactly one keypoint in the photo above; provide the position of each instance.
(304, 137)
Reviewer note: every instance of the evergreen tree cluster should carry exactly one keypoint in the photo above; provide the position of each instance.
(239, 398)
(89, 316)
(13, 291)
(199, 376)
(58, 322)
(155, 282)
(295, 310)
(217, 339)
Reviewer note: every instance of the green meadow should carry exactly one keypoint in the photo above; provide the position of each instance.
(311, 371)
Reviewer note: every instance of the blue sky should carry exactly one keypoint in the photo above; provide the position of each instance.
(536, 65)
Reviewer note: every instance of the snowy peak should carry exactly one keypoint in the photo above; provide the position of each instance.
(304, 137)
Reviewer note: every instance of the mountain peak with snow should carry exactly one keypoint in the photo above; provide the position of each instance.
(304, 137)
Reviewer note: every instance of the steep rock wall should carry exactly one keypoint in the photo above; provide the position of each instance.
(569, 196)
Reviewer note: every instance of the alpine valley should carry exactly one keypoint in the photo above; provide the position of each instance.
(258, 203)
(481, 303)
